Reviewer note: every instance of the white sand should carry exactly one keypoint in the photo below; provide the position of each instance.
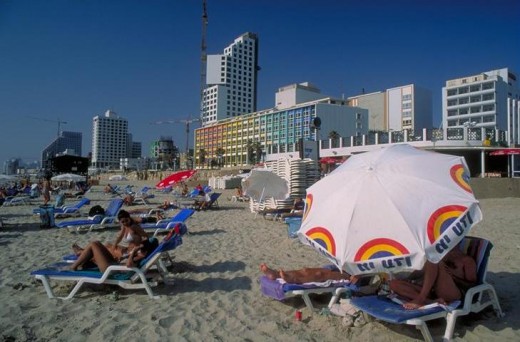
(216, 295)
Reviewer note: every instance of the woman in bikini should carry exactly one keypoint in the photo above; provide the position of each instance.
(129, 242)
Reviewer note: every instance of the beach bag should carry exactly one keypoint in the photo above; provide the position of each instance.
(96, 210)
(46, 216)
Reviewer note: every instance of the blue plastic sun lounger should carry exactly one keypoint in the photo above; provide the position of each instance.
(166, 225)
(67, 209)
(476, 299)
(97, 221)
(280, 290)
(120, 275)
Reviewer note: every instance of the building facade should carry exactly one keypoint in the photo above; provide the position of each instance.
(230, 142)
(488, 100)
(405, 107)
(109, 140)
(231, 81)
(67, 141)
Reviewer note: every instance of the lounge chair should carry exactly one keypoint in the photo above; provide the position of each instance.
(475, 299)
(123, 276)
(67, 209)
(97, 221)
(168, 224)
(280, 290)
(17, 200)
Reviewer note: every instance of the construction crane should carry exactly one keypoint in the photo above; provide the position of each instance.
(186, 122)
(203, 57)
(48, 120)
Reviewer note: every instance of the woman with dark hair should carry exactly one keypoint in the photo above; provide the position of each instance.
(132, 243)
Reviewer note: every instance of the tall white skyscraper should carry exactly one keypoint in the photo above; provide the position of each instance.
(109, 140)
(231, 80)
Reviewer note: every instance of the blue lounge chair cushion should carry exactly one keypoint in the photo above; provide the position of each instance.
(63, 269)
(386, 310)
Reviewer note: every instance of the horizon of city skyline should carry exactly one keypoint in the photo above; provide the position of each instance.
(76, 60)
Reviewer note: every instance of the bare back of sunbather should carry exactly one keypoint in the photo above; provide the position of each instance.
(304, 275)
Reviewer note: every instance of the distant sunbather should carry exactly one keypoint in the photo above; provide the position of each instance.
(306, 275)
(444, 282)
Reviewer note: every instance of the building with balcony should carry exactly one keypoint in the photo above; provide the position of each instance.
(231, 81)
(277, 130)
(405, 107)
(488, 100)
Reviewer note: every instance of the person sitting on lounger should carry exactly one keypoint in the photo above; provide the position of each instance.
(296, 211)
(202, 205)
(130, 237)
(306, 275)
(444, 282)
(109, 189)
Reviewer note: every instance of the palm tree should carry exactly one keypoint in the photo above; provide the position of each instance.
(202, 156)
(220, 153)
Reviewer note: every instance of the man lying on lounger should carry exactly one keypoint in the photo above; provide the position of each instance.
(306, 275)
(443, 283)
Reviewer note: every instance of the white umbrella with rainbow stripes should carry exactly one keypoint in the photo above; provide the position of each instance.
(390, 210)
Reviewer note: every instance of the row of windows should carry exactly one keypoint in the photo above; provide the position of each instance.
(471, 99)
(472, 88)
(472, 110)
(478, 119)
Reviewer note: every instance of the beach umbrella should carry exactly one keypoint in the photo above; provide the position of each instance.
(176, 177)
(71, 177)
(264, 184)
(6, 179)
(390, 210)
(117, 178)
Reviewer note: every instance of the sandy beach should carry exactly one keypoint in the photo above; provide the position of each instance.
(216, 295)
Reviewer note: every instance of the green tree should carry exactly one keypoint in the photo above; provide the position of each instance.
(202, 157)
(220, 156)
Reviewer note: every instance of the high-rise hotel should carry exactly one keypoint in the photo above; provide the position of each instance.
(109, 140)
(231, 81)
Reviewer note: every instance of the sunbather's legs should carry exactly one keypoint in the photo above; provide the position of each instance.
(269, 272)
(96, 252)
(435, 277)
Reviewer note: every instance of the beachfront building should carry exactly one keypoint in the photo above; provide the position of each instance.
(405, 107)
(250, 138)
(109, 140)
(66, 141)
(165, 153)
(231, 81)
(487, 102)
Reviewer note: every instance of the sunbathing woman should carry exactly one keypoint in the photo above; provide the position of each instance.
(444, 282)
(306, 275)
(131, 235)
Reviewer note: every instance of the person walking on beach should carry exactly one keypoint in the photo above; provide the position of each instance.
(444, 282)
(46, 191)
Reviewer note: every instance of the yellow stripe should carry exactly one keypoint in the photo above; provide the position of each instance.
(324, 238)
(441, 219)
(380, 248)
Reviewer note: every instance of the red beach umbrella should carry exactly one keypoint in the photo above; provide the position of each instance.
(176, 177)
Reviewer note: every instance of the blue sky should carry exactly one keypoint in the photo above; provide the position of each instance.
(74, 59)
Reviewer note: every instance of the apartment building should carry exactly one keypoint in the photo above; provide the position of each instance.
(395, 109)
(109, 140)
(279, 129)
(489, 100)
(231, 80)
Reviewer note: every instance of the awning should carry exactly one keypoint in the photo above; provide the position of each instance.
(505, 152)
